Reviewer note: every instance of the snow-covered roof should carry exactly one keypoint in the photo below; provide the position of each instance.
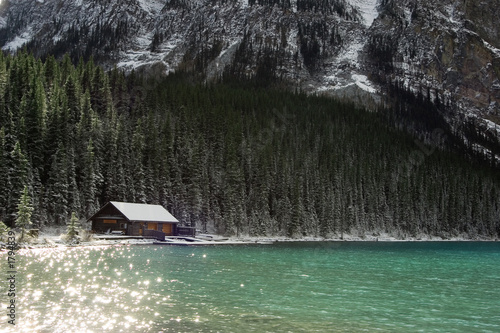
(144, 212)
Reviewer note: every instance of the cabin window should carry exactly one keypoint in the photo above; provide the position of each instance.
(167, 228)
(123, 225)
(109, 221)
(153, 226)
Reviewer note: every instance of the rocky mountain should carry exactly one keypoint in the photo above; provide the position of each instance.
(447, 52)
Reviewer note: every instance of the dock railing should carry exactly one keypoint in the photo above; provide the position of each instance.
(186, 231)
(154, 234)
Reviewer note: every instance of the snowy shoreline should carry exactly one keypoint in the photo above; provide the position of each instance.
(366, 238)
(55, 241)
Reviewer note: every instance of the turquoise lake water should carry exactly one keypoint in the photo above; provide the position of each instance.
(287, 287)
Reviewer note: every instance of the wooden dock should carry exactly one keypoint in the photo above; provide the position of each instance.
(198, 242)
(183, 240)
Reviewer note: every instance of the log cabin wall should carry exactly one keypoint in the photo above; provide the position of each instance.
(109, 219)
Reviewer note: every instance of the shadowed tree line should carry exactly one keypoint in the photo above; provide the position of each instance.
(231, 158)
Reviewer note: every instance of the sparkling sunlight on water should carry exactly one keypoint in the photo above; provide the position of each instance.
(299, 287)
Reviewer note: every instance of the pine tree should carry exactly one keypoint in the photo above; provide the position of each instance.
(18, 168)
(3, 230)
(24, 211)
(34, 110)
(138, 145)
(3, 89)
(57, 197)
(72, 228)
(73, 189)
(4, 180)
(51, 72)
(89, 184)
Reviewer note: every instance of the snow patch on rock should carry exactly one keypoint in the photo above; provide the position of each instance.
(492, 48)
(362, 82)
(367, 9)
(17, 42)
(152, 6)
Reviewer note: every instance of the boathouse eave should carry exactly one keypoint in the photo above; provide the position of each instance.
(98, 216)
(151, 221)
(134, 213)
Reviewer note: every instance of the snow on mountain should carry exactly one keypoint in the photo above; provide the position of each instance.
(368, 9)
(449, 50)
(18, 42)
(152, 6)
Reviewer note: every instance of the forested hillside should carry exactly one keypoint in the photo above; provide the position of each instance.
(234, 159)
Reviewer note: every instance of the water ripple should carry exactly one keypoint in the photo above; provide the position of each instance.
(281, 288)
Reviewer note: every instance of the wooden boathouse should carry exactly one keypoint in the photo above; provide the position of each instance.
(134, 219)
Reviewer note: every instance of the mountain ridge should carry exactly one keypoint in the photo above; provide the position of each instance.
(447, 52)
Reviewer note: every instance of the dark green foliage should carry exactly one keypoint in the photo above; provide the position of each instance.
(24, 211)
(285, 4)
(339, 7)
(327, 7)
(237, 159)
(72, 228)
(99, 40)
(314, 38)
(382, 50)
(3, 231)
(424, 115)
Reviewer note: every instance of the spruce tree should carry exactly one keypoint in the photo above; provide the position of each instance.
(3, 230)
(24, 211)
(4, 180)
(17, 178)
(72, 228)
(57, 197)
(89, 184)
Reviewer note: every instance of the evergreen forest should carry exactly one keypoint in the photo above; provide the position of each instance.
(236, 158)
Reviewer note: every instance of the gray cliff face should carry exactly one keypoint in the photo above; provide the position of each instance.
(449, 49)
(301, 41)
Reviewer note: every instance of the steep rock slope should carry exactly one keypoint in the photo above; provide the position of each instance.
(314, 44)
(446, 51)
(449, 48)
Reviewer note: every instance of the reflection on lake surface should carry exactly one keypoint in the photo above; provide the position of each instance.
(289, 287)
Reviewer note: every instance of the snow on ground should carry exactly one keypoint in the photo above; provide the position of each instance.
(52, 239)
(492, 126)
(152, 6)
(492, 48)
(230, 47)
(55, 241)
(362, 82)
(351, 53)
(144, 41)
(339, 78)
(451, 11)
(17, 42)
(140, 54)
(368, 10)
(292, 38)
